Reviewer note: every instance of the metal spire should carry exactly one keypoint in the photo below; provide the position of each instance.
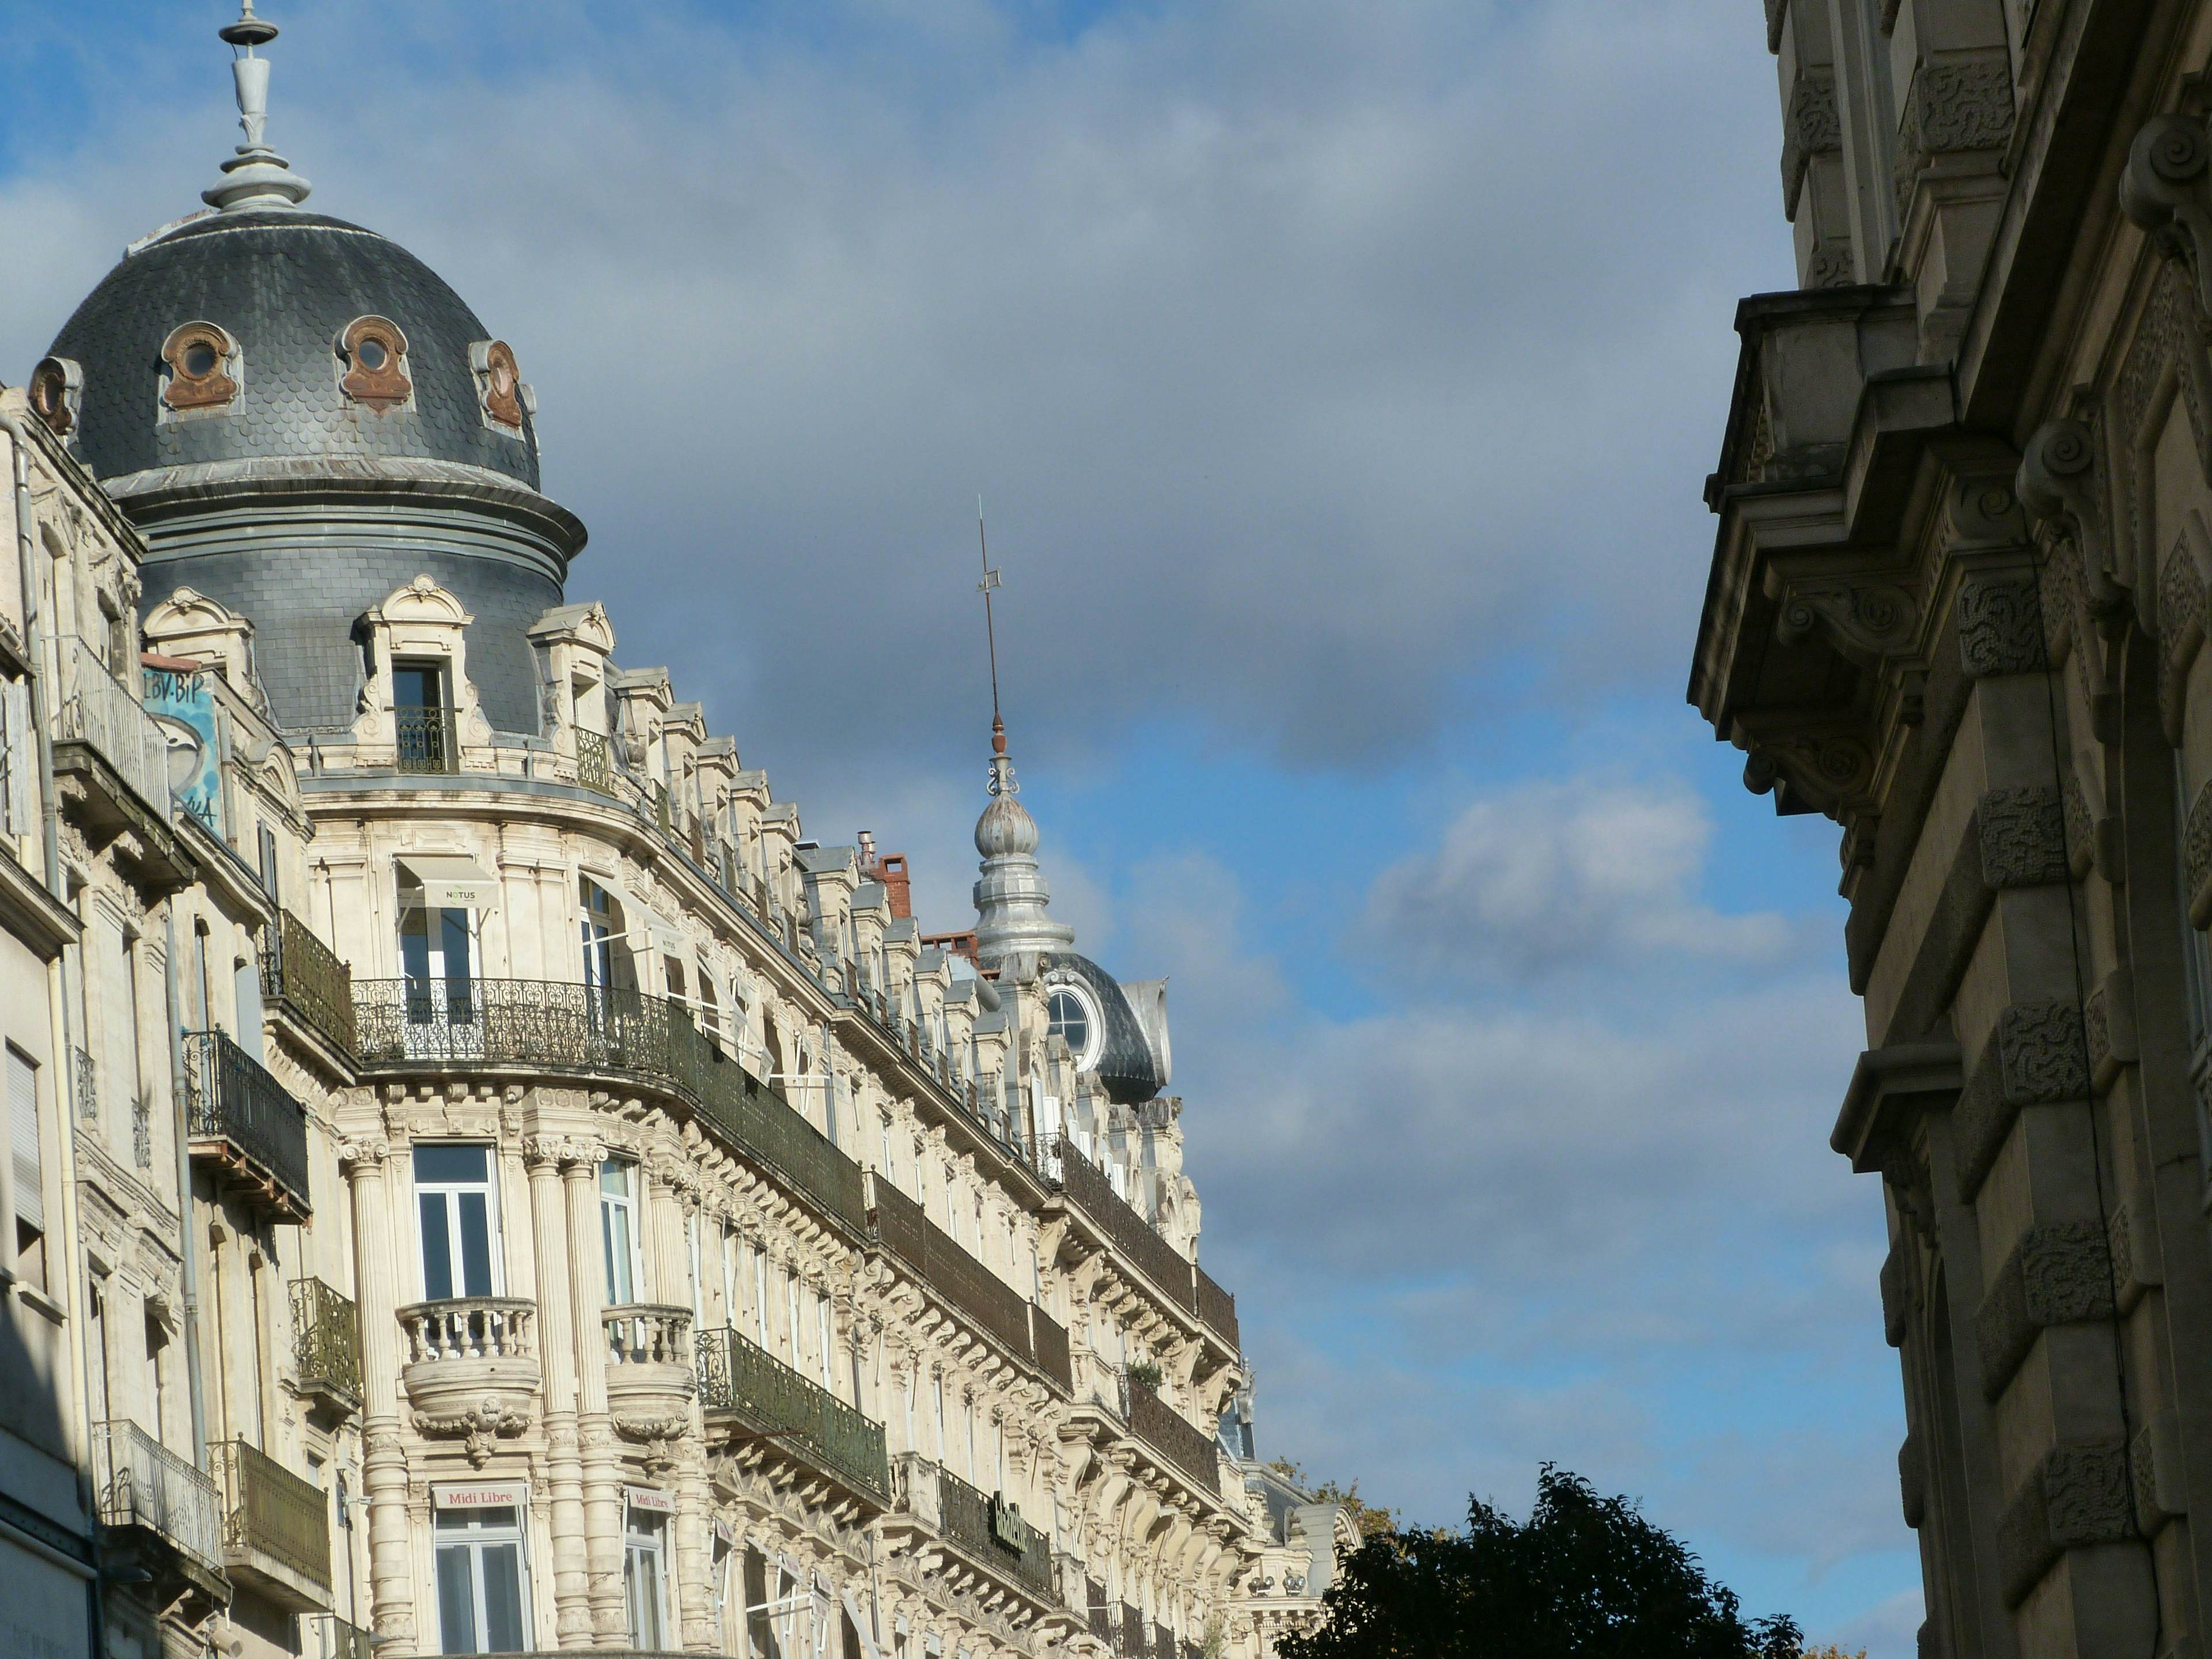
(256, 176)
(1002, 769)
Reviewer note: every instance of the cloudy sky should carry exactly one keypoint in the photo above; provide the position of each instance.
(1340, 379)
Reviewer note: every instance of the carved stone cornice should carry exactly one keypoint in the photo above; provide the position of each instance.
(1831, 773)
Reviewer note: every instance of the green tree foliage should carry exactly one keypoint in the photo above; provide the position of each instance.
(1583, 1577)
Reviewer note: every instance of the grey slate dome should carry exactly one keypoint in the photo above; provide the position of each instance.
(282, 283)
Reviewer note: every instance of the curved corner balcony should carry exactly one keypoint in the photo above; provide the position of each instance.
(469, 1367)
(650, 1375)
(551, 1028)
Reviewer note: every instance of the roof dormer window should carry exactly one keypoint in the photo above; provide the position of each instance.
(1070, 1016)
(57, 392)
(375, 354)
(200, 363)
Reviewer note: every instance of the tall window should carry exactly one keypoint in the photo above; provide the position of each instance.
(644, 1578)
(822, 1331)
(437, 954)
(480, 1588)
(618, 1229)
(28, 1168)
(607, 963)
(790, 1312)
(420, 719)
(760, 1624)
(454, 1202)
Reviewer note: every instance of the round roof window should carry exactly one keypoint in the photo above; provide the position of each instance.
(1069, 1016)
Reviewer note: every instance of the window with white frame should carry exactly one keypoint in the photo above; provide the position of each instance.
(822, 1333)
(645, 1576)
(482, 1584)
(618, 1229)
(457, 1215)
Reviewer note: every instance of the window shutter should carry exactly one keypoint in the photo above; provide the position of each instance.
(23, 1140)
(16, 757)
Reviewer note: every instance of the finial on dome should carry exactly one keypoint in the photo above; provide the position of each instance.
(256, 176)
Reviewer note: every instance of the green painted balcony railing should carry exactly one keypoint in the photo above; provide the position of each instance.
(552, 1026)
(338, 1638)
(271, 1511)
(594, 766)
(739, 1376)
(993, 1305)
(994, 1535)
(427, 742)
(301, 972)
(232, 1101)
(1090, 1191)
(1216, 1309)
(325, 1341)
(1162, 1427)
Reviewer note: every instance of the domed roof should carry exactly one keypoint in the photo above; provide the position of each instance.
(284, 284)
(1005, 827)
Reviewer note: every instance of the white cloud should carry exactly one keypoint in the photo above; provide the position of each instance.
(1312, 359)
(1549, 874)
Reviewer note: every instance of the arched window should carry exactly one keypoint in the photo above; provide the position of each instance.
(1069, 1016)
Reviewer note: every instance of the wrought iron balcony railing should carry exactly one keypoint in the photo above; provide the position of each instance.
(594, 766)
(1048, 1340)
(305, 976)
(1216, 1309)
(271, 1512)
(992, 1533)
(777, 1404)
(338, 1638)
(1139, 1242)
(1162, 1427)
(142, 1483)
(426, 740)
(240, 1114)
(991, 1305)
(325, 1343)
(550, 1026)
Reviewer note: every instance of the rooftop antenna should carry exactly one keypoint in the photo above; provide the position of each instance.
(1002, 769)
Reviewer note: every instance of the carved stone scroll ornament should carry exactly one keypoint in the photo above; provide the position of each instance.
(2165, 189)
(1868, 621)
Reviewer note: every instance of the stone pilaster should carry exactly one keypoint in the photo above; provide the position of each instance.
(383, 1472)
(557, 1336)
(602, 1456)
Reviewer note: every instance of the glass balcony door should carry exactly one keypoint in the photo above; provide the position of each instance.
(437, 958)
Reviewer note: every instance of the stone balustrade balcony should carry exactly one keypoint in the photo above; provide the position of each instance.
(470, 1368)
(652, 1372)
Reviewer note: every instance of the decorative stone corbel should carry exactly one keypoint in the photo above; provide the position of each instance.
(2165, 191)
(1866, 620)
(1831, 775)
(2058, 485)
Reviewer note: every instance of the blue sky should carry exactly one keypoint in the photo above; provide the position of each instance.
(1342, 380)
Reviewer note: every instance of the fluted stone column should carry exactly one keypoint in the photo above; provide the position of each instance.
(667, 1252)
(377, 1272)
(602, 1458)
(556, 1342)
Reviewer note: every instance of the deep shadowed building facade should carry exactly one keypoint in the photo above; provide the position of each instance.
(1957, 604)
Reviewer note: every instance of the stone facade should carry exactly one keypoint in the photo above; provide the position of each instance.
(486, 1181)
(1957, 605)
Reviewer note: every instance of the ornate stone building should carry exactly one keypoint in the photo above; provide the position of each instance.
(481, 1180)
(1957, 604)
